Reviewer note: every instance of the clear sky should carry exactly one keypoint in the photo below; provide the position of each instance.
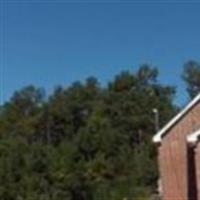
(48, 43)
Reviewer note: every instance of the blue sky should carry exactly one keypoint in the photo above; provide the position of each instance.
(47, 43)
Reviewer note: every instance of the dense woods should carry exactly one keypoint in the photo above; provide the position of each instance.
(85, 141)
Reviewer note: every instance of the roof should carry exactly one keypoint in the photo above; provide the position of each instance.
(158, 137)
(193, 138)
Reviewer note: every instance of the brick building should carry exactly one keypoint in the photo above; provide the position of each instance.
(179, 154)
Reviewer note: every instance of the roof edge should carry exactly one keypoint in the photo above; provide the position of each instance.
(158, 137)
(194, 137)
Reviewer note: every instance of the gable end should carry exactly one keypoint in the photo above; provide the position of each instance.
(158, 137)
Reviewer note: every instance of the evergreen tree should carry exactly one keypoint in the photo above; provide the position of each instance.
(191, 76)
(84, 142)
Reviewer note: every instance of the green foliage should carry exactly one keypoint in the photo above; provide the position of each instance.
(191, 76)
(84, 142)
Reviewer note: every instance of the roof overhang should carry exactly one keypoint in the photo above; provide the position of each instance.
(194, 137)
(158, 137)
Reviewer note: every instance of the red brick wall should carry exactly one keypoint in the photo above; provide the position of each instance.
(173, 157)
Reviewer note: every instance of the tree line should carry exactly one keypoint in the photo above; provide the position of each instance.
(86, 141)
